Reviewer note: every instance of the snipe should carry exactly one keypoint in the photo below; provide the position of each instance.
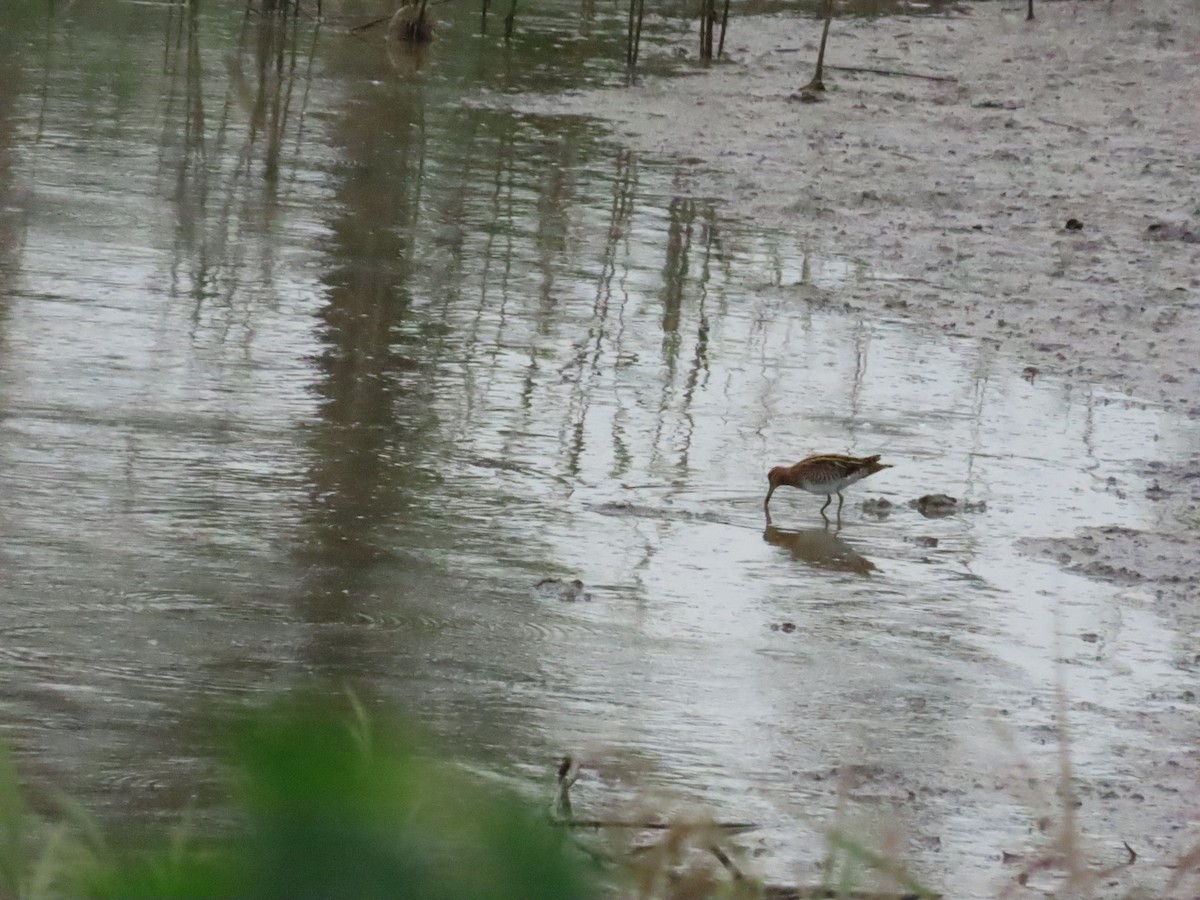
(826, 473)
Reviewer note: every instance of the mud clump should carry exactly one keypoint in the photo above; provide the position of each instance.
(1171, 231)
(1125, 556)
(935, 506)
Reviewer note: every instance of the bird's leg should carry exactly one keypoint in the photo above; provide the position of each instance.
(841, 500)
(828, 500)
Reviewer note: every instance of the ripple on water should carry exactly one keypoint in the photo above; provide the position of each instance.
(563, 618)
(160, 601)
(717, 513)
(21, 645)
(383, 620)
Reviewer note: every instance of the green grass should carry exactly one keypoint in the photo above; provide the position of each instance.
(329, 805)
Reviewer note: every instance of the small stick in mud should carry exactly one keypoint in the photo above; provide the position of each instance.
(808, 92)
(708, 18)
(637, 11)
(509, 20)
(568, 774)
(724, 26)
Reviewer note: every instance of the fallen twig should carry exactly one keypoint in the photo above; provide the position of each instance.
(896, 72)
(728, 863)
(820, 892)
(1060, 124)
(649, 825)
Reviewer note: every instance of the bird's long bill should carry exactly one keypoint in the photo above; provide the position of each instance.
(770, 491)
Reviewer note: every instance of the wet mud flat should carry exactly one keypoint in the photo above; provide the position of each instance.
(956, 195)
(1041, 203)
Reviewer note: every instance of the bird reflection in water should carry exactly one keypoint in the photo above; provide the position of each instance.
(820, 548)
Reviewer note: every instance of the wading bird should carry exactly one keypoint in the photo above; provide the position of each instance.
(826, 474)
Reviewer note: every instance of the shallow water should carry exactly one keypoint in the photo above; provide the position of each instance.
(312, 372)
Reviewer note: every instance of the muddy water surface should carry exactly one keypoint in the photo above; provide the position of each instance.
(310, 373)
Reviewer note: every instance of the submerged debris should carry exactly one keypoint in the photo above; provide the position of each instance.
(997, 104)
(1157, 492)
(559, 589)
(879, 507)
(935, 506)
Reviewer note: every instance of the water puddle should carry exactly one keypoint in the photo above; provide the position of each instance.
(473, 411)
